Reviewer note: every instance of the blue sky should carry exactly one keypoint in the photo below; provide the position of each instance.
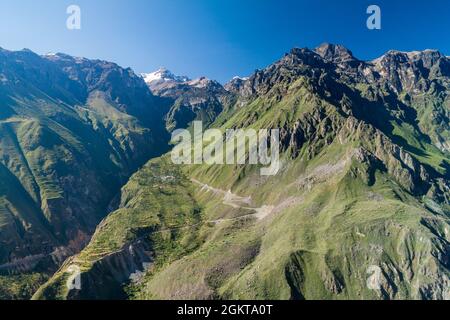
(218, 38)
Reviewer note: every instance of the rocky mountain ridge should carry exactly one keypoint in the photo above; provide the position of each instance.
(363, 188)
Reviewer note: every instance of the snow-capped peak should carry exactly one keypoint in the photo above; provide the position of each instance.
(240, 78)
(163, 75)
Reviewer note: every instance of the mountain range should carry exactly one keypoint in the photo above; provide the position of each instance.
(359, 209)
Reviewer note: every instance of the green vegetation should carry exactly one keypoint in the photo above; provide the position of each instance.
(336, 210)
(20, 287)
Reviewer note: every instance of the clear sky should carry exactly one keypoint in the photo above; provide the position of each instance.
(219, 38)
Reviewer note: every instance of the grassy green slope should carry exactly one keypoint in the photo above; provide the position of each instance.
(318, 242)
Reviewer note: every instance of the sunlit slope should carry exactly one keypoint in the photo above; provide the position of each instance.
(346, 203)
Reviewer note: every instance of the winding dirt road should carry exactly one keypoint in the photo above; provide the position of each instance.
(237, 202)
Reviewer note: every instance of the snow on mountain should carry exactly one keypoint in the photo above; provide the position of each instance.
(240, 78)
(163, 75)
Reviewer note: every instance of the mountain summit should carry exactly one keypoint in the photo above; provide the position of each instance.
(334, 53)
